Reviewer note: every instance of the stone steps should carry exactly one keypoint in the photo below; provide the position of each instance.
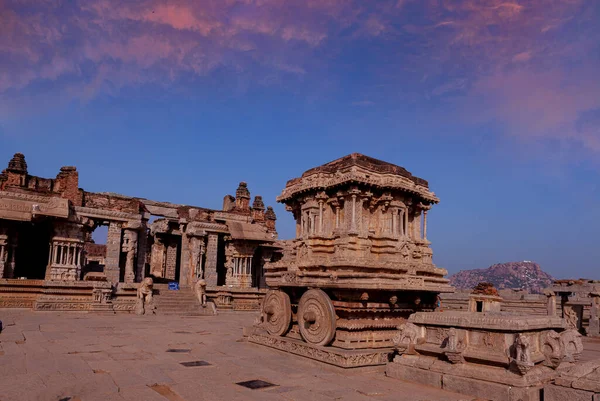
(181, 302)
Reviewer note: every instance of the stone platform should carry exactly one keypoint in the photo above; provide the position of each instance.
(125, 357)
(331, 355)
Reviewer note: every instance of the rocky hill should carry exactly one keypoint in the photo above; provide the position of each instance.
(516, 275)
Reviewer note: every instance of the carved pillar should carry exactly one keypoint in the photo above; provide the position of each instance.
(594, 327)
(157, 258)
(186, 271)
(321, 216)
(113, 252)
(3, 253)
(354, 192)
(417, 224)
(394, 213)
(142, 253)
(66, 249)
(210, 274)
(425, 224)
(196, 252)
(130, 245)
(550, 303)
(405, 225)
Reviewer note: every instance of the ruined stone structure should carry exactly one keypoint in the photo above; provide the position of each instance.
(359, 266)
(46, 230)
(578, 299)
(489, 355)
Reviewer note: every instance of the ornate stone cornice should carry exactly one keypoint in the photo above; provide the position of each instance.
(357, 175)
(106, 214)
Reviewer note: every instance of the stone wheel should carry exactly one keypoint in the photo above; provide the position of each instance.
(316, 317)
(277, 312)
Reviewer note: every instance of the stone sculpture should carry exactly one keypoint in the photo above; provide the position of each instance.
(571, 318)
(522, 361)
(360, 263)
(454, 347)
(200, 289)
(144, 295)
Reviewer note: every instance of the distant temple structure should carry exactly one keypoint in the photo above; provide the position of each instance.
(46, 228)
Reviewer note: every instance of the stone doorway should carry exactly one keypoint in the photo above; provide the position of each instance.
(32, 252)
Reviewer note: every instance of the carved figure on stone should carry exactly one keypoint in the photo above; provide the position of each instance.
(144, 296)
(407, 335)
(200, 289)
(522, 362)
(523, 348)
(571, 318)
(553, 349)
(454, 347)
(571, 344)
(452, 340)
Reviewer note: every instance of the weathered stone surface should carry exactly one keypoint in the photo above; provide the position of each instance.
(558, 393)
(129, 355)
(489, 390)
(414, 375)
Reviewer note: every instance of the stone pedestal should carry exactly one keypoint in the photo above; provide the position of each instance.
(495, 356)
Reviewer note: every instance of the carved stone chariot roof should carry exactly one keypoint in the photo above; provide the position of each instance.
(359, 169)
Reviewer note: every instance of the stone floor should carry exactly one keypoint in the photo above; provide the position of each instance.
(79, 357)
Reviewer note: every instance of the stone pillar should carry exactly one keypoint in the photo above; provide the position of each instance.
(353, 215)
(321, 216)
(550, 302)
(3, 254)
(10, 272)
(425, 224)
(210, 273)
(157, 258)
(142, 254)
(196, 251)
(113, 252)
(417, 225)
(130, 247)
(185, 272)
(405, 226)
(594, 327)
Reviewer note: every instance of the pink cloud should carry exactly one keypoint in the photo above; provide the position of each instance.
(527, 64)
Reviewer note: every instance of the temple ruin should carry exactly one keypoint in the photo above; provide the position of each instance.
(46, 244)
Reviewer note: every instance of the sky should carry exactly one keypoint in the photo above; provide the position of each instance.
(495, 103)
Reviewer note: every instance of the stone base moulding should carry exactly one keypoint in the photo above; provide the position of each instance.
(470, 380)
(330, 355)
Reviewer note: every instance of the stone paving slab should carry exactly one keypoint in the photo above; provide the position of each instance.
(49, 356)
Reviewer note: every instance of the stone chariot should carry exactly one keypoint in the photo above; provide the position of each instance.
(359, 266)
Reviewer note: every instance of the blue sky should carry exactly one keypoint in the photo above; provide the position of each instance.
(496, 103)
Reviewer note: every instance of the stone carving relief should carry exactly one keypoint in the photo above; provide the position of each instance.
(553, 349)
(522, 361)
(571, 318)
(406, 337)
(572, 345)
(455, 346)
